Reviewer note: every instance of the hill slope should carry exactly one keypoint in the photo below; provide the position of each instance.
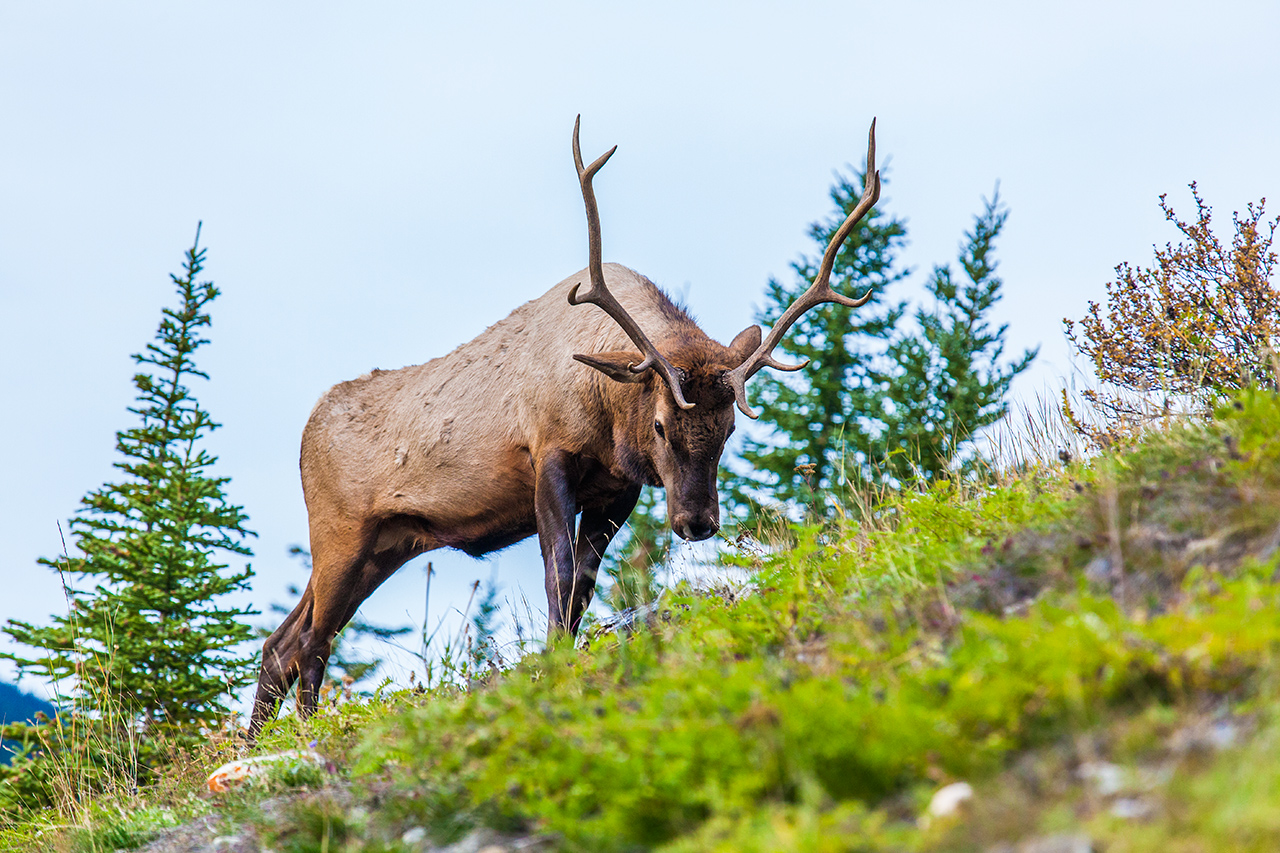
(1090, 650)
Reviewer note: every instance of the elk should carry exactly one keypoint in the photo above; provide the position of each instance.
(549, 422)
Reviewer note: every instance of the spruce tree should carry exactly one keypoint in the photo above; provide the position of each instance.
(878, 404)
(943, 381)
(144, 637)
(816, 414)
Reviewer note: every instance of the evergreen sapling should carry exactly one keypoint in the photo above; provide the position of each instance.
(944, 382)
(878, 405)
(814, 414)
(145, 637)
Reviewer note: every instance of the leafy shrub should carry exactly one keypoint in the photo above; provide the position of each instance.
(1203, 319)
(648, 743)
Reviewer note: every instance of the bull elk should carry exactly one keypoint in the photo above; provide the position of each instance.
(549, 422)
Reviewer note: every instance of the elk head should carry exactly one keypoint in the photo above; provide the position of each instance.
(692, 382)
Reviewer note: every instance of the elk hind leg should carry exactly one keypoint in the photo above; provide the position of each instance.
(279, 664)
(335, 611)
(292, 649)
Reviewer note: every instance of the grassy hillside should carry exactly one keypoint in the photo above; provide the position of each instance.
(1092, 647)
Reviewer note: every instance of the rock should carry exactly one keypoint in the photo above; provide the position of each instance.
(202, 835)
(948, 799)
(475, 842)
(1131, 808)
(488, 841)
(1058, 844)
(1050, 844)
(1206, 736)
(1098, 570)
(1107, 779)
(235, 772)
(1222, 734)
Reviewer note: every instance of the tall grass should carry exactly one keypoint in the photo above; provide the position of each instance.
(88, 772)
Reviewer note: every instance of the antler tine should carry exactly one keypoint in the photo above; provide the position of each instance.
(819, 292)
(599, 293)
(594, 263)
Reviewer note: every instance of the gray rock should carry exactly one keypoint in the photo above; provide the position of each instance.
(1098, 570)
(1131, 808)
(1106, 778)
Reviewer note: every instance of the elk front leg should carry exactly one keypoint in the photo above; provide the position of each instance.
(555, 505)
(595, 532)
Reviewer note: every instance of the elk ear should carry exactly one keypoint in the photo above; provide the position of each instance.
(741, 347)
(615, 365)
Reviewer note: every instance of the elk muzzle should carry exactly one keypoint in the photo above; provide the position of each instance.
(696, 526)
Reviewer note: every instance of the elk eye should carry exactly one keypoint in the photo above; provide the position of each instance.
(657, 427)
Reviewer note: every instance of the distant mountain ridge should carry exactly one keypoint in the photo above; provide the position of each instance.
(17, 706)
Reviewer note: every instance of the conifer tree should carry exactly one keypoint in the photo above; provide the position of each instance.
(943, 381)
(145, 634)
(878, 403)
(816, 413)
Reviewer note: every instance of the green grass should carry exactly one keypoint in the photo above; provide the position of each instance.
(1005, 633)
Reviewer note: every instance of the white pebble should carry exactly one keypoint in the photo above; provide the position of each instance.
(947, 800)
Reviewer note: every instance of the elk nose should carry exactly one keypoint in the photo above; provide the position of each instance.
(696, 529)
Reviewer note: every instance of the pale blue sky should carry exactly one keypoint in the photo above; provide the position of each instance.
(379, 182)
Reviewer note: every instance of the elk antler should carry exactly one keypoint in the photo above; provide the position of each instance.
(599, 293)
(818, 293)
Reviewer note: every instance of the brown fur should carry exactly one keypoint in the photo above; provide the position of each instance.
(506, 436)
